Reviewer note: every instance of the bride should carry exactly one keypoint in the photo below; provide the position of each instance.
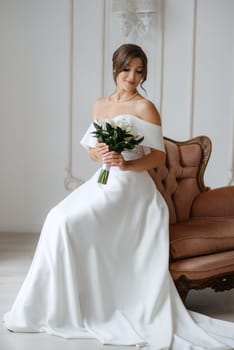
(101, 265)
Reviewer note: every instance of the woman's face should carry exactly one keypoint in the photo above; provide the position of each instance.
(131, 76)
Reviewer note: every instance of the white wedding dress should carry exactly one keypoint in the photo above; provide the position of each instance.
(101, 267)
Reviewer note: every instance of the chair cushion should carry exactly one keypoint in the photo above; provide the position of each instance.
(201, 236)
(214, 202)
(203, 266)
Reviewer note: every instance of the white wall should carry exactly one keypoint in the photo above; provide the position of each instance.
(34, 64)
(56, 59)
(198, 91)
(214, 84)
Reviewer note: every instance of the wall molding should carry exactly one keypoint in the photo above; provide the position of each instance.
(230, 180)
(161, 17)
(192, 69)
(70, 181)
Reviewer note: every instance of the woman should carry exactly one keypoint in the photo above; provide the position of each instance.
(101, 266)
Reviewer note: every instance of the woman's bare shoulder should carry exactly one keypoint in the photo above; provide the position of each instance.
(147, 111)
(102, 100)
(98, 106)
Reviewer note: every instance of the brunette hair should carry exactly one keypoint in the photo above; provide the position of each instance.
(122, 57)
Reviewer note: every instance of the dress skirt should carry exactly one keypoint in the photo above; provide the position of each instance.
(100, 270)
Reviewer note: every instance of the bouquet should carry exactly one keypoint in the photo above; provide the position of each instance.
(119, 136)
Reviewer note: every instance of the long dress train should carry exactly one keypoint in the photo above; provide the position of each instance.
(101, 267)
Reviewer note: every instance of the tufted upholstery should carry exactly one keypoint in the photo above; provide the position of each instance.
(177, 180)
(201, 220)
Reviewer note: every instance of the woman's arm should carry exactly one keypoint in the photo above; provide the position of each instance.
(150, 161)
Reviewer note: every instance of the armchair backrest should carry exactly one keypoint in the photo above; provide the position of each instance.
(182, 177)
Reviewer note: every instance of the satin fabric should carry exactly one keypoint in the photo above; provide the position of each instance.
(101, 267)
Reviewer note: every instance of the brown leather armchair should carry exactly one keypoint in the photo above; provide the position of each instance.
(201, 219)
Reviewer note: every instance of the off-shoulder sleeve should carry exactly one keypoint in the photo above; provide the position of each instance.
(152, 133)
(89, 140)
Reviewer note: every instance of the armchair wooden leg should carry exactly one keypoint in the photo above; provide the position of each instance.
(182, 289)
(183, 294)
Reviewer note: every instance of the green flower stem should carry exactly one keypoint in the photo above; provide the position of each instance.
(103, 176)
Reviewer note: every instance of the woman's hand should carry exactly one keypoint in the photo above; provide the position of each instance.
(101, 153)
(98, 152)
(114, 159)
(101, 150)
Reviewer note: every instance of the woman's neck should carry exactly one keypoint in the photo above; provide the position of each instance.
(120, 97)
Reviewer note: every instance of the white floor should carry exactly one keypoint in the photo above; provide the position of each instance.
(16, 251)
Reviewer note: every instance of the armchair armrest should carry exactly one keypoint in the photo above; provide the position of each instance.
(215, 202)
